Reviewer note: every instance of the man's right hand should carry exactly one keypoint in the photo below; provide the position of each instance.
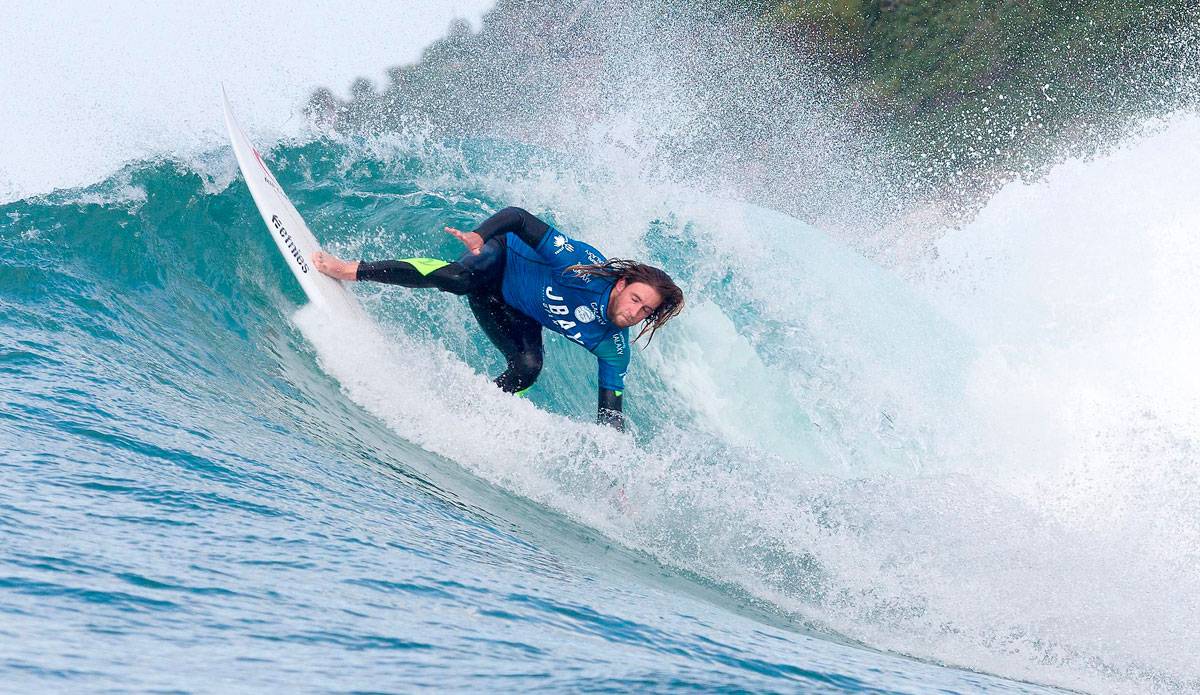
(471, 240)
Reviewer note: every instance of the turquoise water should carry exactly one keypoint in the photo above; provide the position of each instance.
(206, 488)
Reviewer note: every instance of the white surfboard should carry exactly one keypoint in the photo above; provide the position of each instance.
(287, 228)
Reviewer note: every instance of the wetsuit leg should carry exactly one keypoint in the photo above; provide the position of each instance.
(471, 272)
(478, 276)
(518, 337)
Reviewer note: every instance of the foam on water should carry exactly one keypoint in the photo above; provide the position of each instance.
(809, 433)
(803, 390)
(991, 466)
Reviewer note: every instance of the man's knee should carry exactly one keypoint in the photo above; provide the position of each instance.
(523, 370)
(529, 364)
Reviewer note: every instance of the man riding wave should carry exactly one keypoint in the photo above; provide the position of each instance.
(520, 275)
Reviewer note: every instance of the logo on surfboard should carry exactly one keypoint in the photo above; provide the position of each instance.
(287, 240)
(268, 176)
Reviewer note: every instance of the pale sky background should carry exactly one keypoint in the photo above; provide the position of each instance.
(86, 87)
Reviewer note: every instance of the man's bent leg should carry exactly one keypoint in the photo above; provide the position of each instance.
(518, 337)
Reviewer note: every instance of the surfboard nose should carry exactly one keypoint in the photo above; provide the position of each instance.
(292, 236)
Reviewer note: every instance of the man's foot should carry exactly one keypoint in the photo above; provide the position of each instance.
(335, 267)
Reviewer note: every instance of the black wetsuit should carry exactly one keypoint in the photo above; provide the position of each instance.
(519, 283)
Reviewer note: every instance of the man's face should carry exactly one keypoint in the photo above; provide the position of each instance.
(631, 303)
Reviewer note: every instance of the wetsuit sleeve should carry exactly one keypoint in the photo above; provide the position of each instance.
(555, 248)
(612, 359)
(608, 411)
(511, 220)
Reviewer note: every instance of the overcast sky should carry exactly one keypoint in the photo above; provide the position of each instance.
(85, 87)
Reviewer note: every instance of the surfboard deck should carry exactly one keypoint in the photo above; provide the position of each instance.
(292, 236)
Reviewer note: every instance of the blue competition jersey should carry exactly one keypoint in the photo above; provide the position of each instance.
(537, 282)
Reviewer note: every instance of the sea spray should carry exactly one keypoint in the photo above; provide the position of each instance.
(847, 509)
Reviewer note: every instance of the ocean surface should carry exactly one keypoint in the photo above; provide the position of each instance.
(929, 456)
(838, 480)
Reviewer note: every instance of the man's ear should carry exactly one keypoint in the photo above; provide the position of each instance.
(619, 286)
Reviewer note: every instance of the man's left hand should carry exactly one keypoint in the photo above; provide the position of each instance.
(471, 240)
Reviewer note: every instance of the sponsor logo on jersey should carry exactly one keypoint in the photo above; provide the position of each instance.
(584, 314)
(561, 243)
(557, 310)
(593, 258)
(595, 307)
(619, 343)
(287, 241)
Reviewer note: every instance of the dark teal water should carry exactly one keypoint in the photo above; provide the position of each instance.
(204, 491)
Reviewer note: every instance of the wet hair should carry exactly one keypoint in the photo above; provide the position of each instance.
(632, 271)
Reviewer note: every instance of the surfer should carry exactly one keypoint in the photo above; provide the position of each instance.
(520, 274)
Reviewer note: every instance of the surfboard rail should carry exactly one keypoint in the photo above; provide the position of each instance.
(292, 236)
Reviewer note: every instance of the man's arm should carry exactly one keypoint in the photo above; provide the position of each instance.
(527, 227)
(554, 247)
(612, 361)
(608, 412)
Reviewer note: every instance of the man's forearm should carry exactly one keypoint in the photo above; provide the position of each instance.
(608, 411)
(527, 227)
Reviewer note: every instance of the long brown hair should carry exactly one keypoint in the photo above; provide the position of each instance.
(632, 271)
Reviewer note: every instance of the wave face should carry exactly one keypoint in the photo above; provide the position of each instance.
(202, 471)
